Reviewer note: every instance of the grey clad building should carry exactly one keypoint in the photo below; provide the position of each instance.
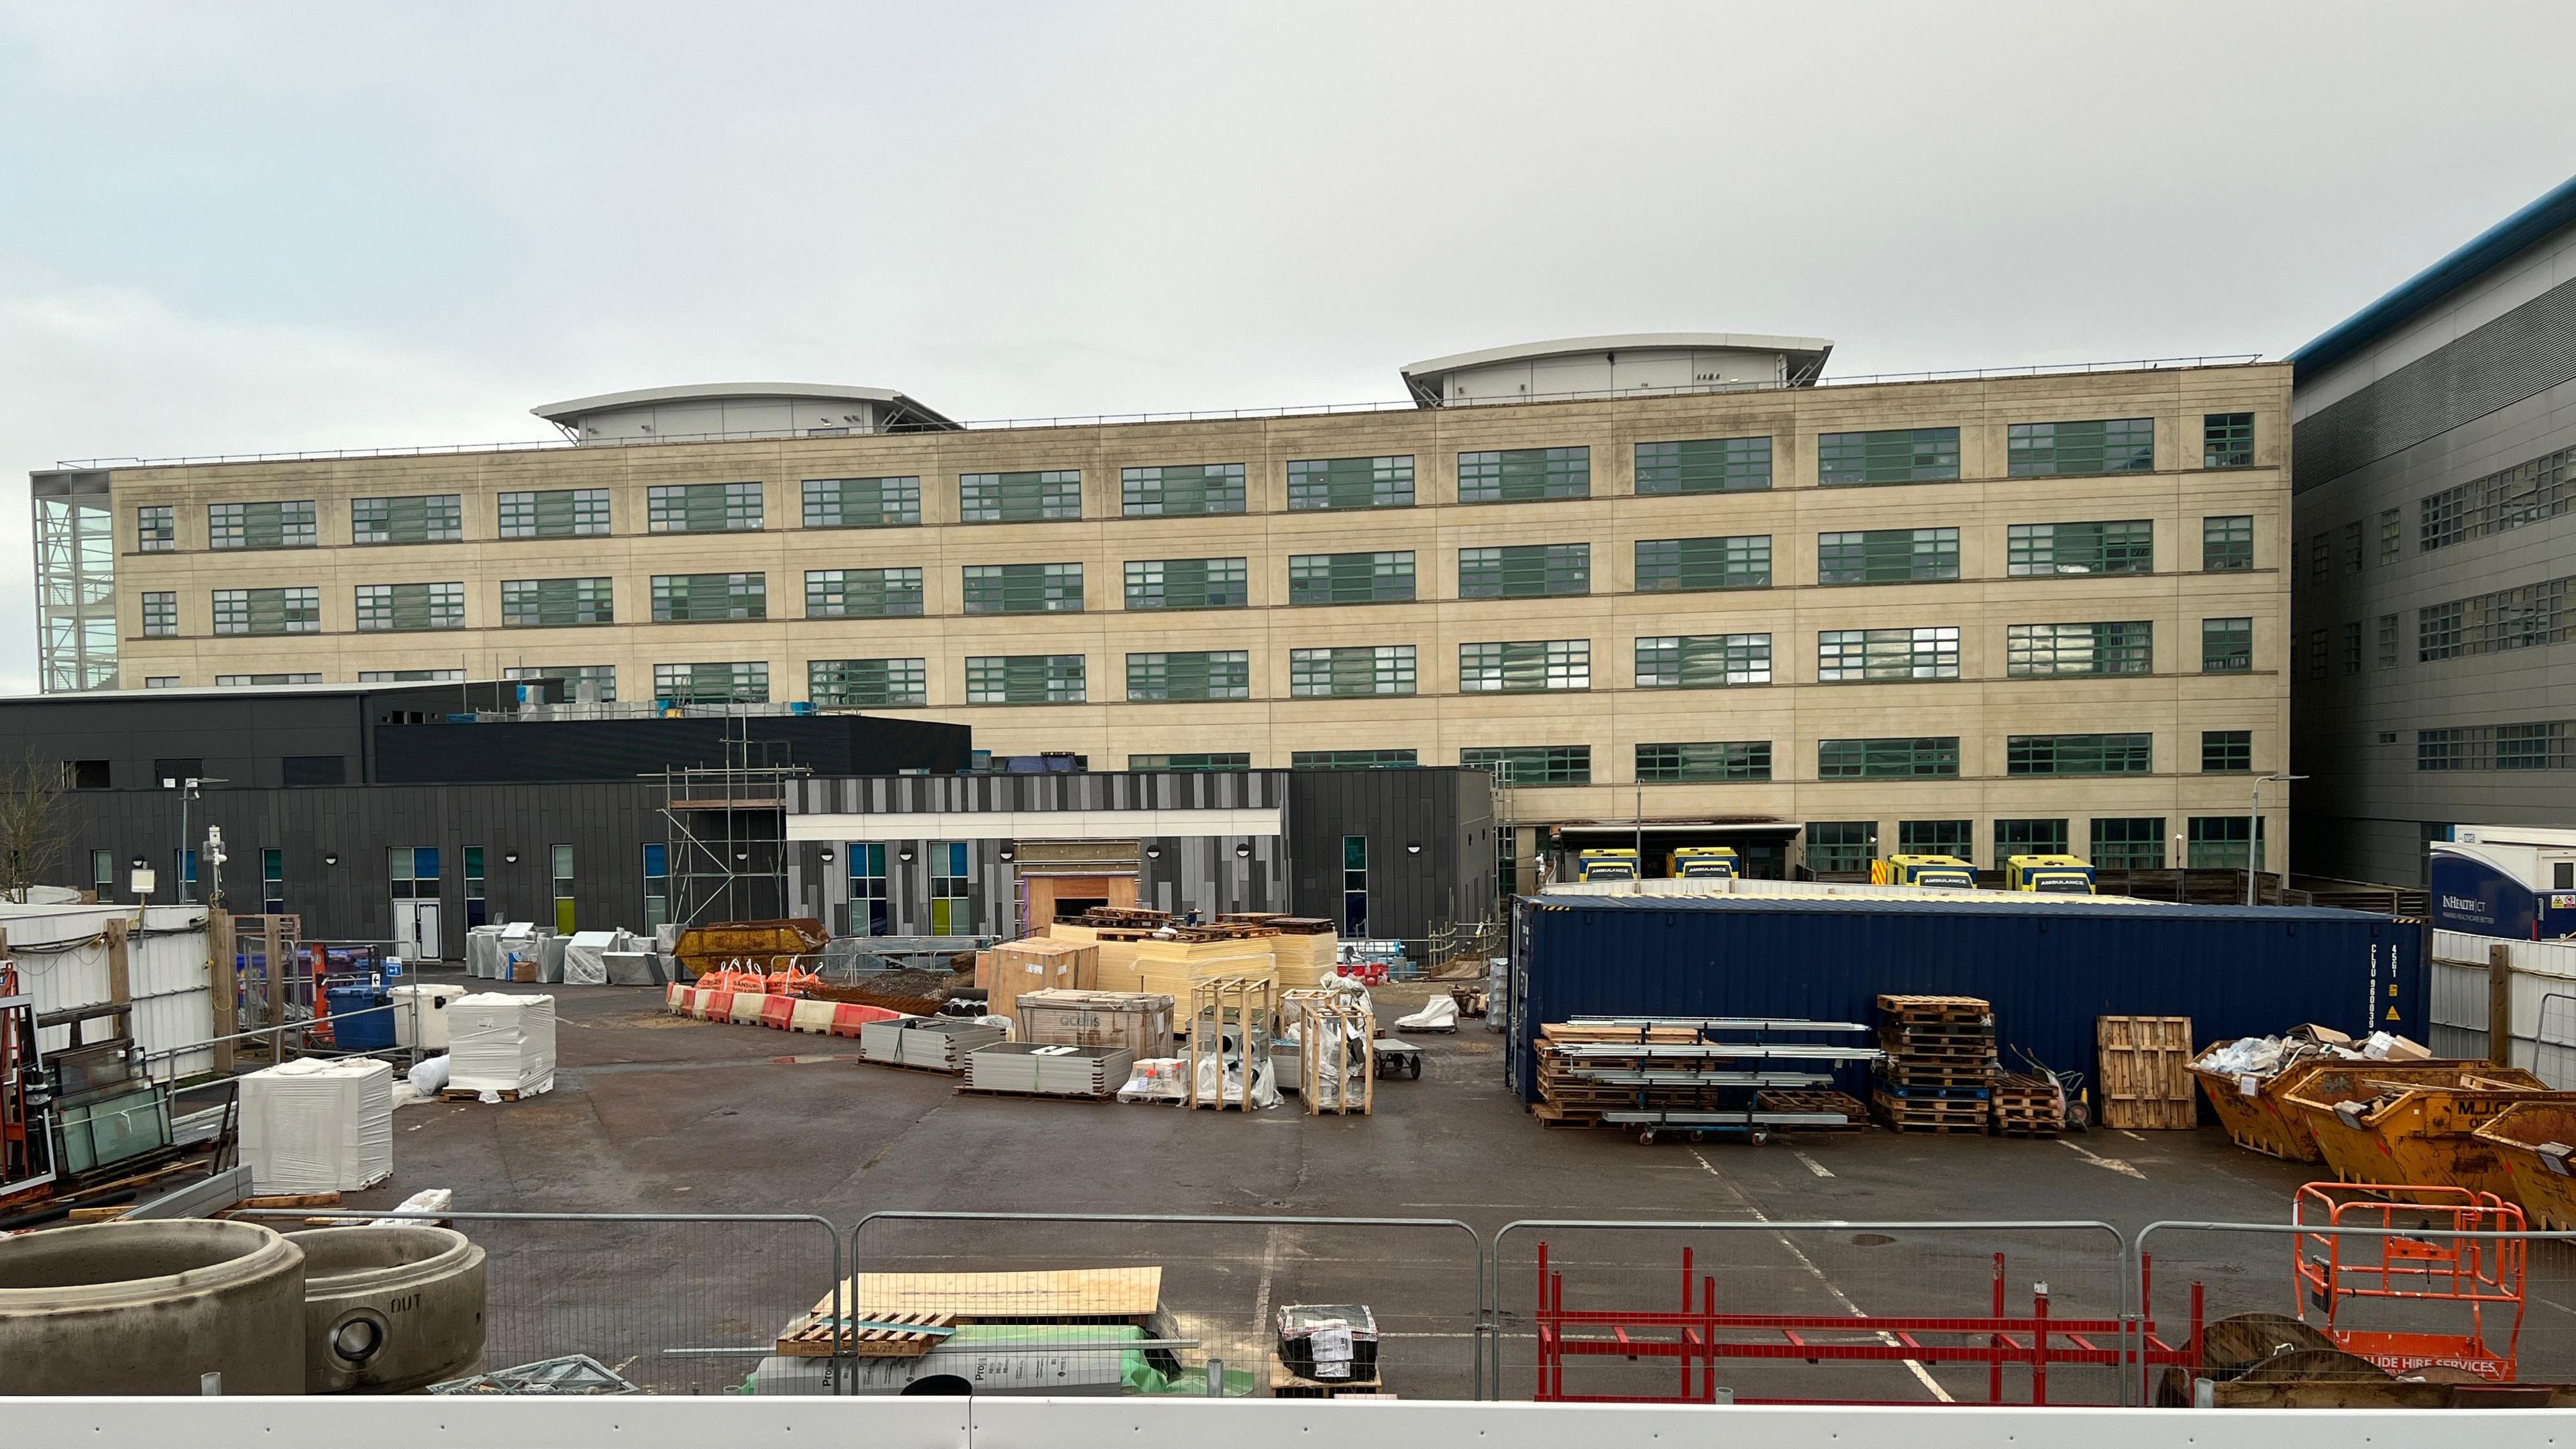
(2434, 682)
(410, 813)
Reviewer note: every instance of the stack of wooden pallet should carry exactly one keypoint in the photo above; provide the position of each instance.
(2027, 1106)
(1568, 1100)
(1940, 1070)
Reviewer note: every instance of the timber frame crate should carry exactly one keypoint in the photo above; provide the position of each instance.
(1243, 1004)
(2145, 1084)
(1328, 1022)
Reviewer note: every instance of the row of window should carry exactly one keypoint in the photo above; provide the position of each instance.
(2126, 842)
(2550, 745)
(1668, 661)
(1703, 465)
(2509, 498)
(2525, 616)
(1551, 570)
(1726, 761)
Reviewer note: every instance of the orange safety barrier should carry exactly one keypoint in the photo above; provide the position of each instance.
(2413, 1265)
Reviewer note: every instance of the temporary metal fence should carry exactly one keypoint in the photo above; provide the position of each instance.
(676, 1303)
(1903, 1312)
(1567, 1310)
(1221, 1280)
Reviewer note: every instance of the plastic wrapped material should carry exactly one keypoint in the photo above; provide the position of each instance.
(632, 968)
(582, 963)
(429, 1076)
(501, 1043)
(1329, 1342)
(318, 1126)
(1156, 1079)
(1440, 1013)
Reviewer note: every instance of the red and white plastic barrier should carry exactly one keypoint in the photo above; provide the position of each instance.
(784, 1013)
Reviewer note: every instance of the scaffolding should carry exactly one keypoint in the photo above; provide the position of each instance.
(725, 831)
(75, 582)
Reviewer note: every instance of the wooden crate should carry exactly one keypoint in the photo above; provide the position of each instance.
(2145, 1082)
(2026, 1106)
(1040, 963)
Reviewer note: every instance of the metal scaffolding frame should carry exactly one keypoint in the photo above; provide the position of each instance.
(725, 830)
(75, 531)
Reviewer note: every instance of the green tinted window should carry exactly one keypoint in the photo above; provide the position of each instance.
(1350, 483)
(1926, 757)
(1524, 475)
(2125, 547)
(2127, 754)
(2048, 651)
(697, 598)
(1887, 556)
(1350, 578)
(1525, 571)
(862, 593)
(1713, 762)
(1019, 497)
(1692, 564)
(862, 502)
(878, 682)
(555, 603)
(1224, 674)
(1896, 455)
(1704, 465)
(2109, 445)
(1187, 583)
(1054, 588)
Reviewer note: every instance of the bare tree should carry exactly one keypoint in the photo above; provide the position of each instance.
(33, 832)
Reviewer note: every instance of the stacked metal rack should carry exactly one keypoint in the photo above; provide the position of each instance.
(1646, 1074)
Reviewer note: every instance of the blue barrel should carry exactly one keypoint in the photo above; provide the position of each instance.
(373, 1032)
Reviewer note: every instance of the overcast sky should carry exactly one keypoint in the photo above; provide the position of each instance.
(243, 227)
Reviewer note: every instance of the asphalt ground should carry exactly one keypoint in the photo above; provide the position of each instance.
(651, 1113)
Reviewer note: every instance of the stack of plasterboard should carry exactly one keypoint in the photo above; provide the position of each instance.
(1039, 963)
(499, 1043)
(318, 1126)
(1057, 1070)
(1303, 956)
(1170, 967)
(932, 1043)
(1117, 967)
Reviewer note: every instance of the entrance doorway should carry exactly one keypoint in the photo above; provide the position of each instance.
(1051, 896)
(416, 930)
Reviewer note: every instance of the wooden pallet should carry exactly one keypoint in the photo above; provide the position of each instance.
(2026, 1106)
(469, 1094)
(1566, 1033)
(1910, 1071)
(1933, 1009)
(1854, 1110)
(892, 1335)
(1927, 1093)
(1470, 1003)
(2144, 1081)
(966, 1091)
(1914, 1115)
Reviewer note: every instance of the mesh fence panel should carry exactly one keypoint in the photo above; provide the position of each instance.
(1811, 1312)
(1184, 1290)
(675, 1305)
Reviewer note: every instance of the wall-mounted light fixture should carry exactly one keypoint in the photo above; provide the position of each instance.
(904, 854)
(827, 855)
(742, 855)
(1413, 847)
(510, 858)
(1153, 852)
(1010, 852)
(330, 857)
(1243, 850)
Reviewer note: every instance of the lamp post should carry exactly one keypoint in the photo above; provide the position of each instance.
(2254, 832)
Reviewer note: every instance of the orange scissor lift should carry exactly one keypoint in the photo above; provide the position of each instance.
(2411, 1262)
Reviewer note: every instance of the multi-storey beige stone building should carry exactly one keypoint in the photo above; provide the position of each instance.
(1682, 579)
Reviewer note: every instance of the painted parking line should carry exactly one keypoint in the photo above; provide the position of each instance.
(1921, 1374)
(2113, 1163)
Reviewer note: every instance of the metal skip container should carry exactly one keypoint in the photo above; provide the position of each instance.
(2050, 967)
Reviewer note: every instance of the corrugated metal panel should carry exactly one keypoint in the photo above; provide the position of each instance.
(2049, 972)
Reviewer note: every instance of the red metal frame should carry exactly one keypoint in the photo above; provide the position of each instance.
(2478, 1272)
(1697, 1339)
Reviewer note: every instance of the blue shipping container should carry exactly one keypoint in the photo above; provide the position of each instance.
(2049, 968)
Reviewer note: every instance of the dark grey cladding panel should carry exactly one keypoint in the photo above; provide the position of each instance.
(2527, 350)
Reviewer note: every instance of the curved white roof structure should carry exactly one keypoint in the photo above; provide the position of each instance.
(739, 409)
(1631, 364)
